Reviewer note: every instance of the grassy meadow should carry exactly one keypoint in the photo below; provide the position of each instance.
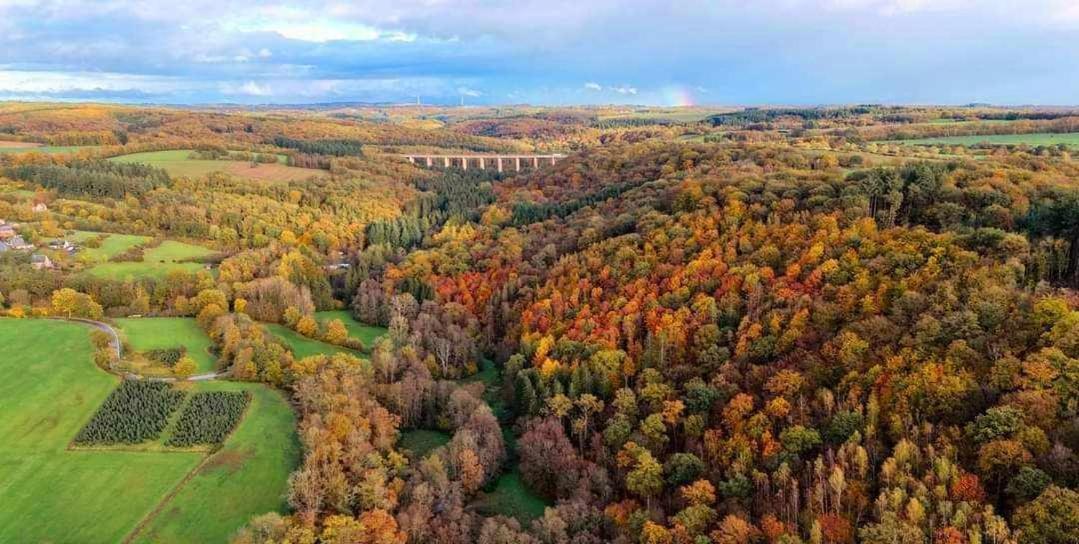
(148, 333)
(157, 262)
(303, 346)
(177, 163)
(246, 477)
(365, 333)
(111, 245)
(52, 493)
(1035, 139)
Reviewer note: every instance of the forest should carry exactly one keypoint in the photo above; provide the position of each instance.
(775, 326)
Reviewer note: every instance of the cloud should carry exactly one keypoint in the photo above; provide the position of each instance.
(249, 88)
(770, 51)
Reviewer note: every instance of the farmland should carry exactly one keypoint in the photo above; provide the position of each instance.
(149, 333)
(109, 246)
(1035, 139)
(49, 490)
(179, 164)
(156, 263)
(50, 493)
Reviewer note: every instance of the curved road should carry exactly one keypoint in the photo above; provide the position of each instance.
(118, 345)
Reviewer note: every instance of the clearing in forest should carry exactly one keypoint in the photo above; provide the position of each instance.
(108, 245)
(52, 491)
(146, 334)
(156, 262)
(179, 163)
(361, 331)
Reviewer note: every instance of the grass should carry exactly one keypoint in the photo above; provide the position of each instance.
(365, 333)
(303, 346)
(51, 493)
(156, 263)
(1035, 139)
(112, 245)
(511, 497)
(423, 441)
(177, 163)
(246, 477)
(147, 333)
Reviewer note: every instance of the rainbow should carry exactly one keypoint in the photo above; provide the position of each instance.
(678, 96)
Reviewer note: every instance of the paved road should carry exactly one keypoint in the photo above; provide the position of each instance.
(115, 341)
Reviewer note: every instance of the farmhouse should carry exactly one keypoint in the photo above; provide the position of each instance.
(17, 242)
(40, 207)
(6, 231)
(39, 262)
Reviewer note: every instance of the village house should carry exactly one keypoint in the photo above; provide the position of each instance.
(17, 242)
(4, 247)
(6, 231)
(40, 207)
(39, 261)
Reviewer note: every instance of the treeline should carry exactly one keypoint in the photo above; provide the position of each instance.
(335, 148)
(450, 194)
(94, 178)
(751, 116)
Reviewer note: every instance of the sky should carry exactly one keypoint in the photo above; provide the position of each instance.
(544, 52)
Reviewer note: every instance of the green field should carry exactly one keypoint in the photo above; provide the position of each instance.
(177, 163)
(1041, 138)
(112, 245)
(156, 263)
(365, 333)
(50, 494)
(246, 477)
(303, 346)
(54, 494)
(147, 333)
(423, 441)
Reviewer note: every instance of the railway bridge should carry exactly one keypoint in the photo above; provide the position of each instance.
(502, 163)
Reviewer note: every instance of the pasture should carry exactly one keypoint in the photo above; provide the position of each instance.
(179, 164)
(50, 493)
(246, 477)
(53, 493)
(1036, 139)
(110, 246)
(148, 333)
(157, 262)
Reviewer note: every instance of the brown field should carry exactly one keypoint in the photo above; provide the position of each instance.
(18, 145)
(269, 172)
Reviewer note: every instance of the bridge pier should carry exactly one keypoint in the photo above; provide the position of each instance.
(484, 162)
